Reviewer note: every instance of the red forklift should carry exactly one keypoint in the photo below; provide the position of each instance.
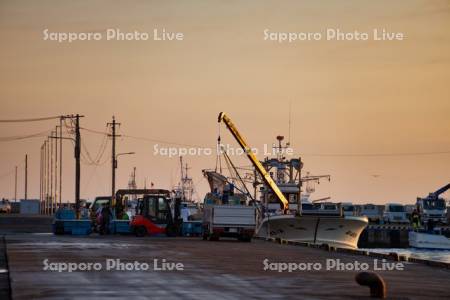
(155, 216)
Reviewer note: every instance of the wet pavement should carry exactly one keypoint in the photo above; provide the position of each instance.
(224, 269)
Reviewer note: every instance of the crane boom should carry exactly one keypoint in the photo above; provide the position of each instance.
(440, 191)
(258, 166)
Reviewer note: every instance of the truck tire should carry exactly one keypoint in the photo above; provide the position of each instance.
(140, 231)
(244, 238)
(214, 237)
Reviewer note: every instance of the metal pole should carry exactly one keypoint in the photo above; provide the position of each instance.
(15, 186)
(26, 176)
(43, 177)
(113, 125)
(51, 174)
(56, 169)
(40, 182)
(47, 144)
(60, 161)
(77, 165)
(114, 162)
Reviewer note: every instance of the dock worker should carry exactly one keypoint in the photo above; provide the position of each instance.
(106, 216)
(185, 214)
(125, 216)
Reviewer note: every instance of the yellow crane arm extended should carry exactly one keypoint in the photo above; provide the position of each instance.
(256, 163)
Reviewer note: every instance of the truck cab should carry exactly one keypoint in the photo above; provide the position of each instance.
(432, 209)
(348, 209)
(395, 213)
(99, 202)
(372, 212)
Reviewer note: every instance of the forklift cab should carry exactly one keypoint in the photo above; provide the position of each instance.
(156, 208)
(154, 216)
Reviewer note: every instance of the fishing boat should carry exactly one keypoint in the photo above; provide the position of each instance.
(309, 221)
(281, 211)
(336, 231)
(426, 240)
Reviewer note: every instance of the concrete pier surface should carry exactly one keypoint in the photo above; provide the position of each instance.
(225, 269)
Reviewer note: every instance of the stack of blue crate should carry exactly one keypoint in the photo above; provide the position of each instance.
(66, 223)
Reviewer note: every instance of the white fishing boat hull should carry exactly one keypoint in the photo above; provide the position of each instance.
(428, 241)
(342, 232)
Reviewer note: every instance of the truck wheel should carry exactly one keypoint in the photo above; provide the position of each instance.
(244, 238)
(214, 237)
(140, 231)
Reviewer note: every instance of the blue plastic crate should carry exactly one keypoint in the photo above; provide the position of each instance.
(192, 228)
(80, 231)
(65, 214)
(70, 226)
(122, 226)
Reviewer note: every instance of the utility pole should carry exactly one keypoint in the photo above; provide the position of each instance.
(47, 189)
(44, 171)
(15, 186)
(43, 178)
(60, 161)
(77, 154)
(26, 176)
(51, 174)
(113, 134)
(40, 179)
(77, 164)
(56, 170)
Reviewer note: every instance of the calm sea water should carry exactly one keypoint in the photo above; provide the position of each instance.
(436, 255)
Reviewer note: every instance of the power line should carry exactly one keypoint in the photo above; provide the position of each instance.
(145, 139)
(162, 141)
(23, 137)
(376, 154)
(7, 174)
(29, 120)
(303, 154)
(94, 131)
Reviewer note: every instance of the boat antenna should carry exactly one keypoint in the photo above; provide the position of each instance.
(289, 132)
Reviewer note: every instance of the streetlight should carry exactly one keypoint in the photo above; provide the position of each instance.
(113, 196)
(120, 154)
